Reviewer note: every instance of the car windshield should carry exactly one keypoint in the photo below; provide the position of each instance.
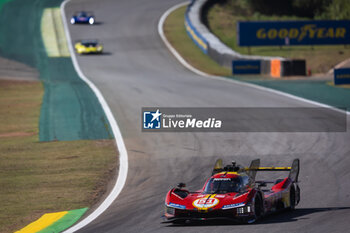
(89, 44)
(82, 14)
(223, 185)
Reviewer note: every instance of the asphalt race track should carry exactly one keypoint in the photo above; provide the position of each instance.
(138, 71)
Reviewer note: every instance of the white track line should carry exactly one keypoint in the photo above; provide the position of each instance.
(191, 68)
(123, 155)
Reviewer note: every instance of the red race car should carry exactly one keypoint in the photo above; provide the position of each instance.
(233, 193)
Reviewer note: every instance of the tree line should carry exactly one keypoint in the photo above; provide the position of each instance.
(313, 9)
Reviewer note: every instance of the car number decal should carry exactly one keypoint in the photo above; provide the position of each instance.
(205, 202)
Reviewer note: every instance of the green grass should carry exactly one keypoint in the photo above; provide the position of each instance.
(175, 32)
(3, 2)
(222, 21)
(41, 177)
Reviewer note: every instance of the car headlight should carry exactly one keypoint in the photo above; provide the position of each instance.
(244, 209)
(170, 210)
(249, 209)
(91, 20)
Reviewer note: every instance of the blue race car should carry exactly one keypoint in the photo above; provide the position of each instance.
(82, 17)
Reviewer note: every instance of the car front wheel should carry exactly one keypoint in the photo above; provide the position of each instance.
(258, 210)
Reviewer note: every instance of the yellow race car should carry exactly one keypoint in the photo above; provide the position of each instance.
(88, 47)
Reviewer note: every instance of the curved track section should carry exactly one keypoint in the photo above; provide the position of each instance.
(137, 70)
(123, 155)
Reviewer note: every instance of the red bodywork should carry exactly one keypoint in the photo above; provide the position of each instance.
(240, 205)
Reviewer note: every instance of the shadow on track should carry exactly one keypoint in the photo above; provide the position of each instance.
(278, 217)
(96, 54)
(86, 24)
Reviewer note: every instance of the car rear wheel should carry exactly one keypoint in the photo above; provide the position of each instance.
(292, 198)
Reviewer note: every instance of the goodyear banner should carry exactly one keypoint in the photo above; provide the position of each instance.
(246, 67)
(312, 32)
(342, 76)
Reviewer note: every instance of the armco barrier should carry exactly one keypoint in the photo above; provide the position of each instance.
(214, 48)
(293, 67)
(197, 38)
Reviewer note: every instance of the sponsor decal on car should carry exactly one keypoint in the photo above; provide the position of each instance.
(225, 207)
(177, 206)
(220, 196)
(221, 179)
(204, 203)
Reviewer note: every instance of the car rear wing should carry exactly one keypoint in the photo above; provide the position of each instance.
(293, 170)
(255, 167)
(218, 167)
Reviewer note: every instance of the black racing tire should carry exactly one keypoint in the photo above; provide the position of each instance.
(258, 206)
(258, 209)
(292, 198)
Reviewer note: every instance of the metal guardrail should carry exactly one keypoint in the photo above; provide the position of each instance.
(211, 45)
(196, 36)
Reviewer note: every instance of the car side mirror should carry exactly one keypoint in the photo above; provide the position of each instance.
(181, 185)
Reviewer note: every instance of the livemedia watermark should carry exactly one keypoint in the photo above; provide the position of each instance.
(163, 119)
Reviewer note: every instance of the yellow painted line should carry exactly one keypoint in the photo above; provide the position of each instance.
(43, 222)
(52, 32)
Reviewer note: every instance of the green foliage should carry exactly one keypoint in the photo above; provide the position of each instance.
(314, 9)
(241, 7)
(309, 8)
(271, 7)
(337, 10)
